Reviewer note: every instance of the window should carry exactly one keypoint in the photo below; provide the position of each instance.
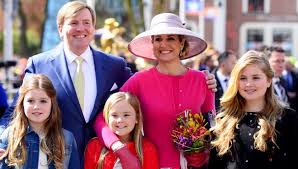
(255, 39)
(256, 6)
(283, 38)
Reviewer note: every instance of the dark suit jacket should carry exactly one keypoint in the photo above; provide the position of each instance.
(293, 88)
(218, 93)
(108, 70)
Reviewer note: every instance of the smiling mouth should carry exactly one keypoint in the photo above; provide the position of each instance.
(121, 127)
(37, 113)
(165, 52)
(80, 36)
(250, 91)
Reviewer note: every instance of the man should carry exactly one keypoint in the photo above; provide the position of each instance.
(277, 62)
(102, 73)
(291, 83)
(226, 62)
(83, 77)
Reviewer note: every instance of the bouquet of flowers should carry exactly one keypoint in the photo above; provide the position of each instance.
(190, 134)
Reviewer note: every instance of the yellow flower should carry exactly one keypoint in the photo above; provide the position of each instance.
(191, 123)
(196, 116)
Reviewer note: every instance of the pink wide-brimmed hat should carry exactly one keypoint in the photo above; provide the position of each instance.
(165, 23)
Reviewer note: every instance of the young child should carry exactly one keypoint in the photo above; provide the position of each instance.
(35, 138)
(122, 114)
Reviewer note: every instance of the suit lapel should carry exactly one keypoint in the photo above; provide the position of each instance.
(59, 65)
(101, 76)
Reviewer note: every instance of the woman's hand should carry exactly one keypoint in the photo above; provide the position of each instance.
(197, 159)
(127, 159)
(210, 80)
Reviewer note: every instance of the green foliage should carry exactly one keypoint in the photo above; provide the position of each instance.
(33, 42)
(15, 35)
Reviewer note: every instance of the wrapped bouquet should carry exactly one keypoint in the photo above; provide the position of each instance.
(190, 134)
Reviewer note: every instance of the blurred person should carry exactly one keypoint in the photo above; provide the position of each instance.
(226, 62)
(82, 76)
(19, 72)
(290, 78)
(277, 62)
(254, 130)
(3, 100)
(166, 89)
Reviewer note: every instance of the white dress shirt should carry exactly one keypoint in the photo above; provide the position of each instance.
(88, 68)
(224, 80)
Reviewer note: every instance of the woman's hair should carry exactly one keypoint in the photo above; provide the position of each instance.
(137, 132)
(53, 143)
(232, 107)
(185, 48)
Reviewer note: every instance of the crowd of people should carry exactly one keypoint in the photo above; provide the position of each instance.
(79, 107)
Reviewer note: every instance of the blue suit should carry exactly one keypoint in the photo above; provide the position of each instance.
(108, 70)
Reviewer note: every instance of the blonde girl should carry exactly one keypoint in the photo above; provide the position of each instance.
(122, 114)
(253, 129)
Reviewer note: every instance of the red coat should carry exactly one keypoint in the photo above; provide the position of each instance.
(94, 147)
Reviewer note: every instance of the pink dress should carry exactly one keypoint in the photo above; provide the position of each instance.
(162, 98)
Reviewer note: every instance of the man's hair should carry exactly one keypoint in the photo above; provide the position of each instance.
(224, 56)
(71, 9)
(268, 50)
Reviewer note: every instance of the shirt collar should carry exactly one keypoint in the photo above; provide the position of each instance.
(275, 79)
(70, 56)
(221, 76)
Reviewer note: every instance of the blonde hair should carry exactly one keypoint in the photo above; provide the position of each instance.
(232, 107)
(53, 143)
(70, 9)
(137, 132)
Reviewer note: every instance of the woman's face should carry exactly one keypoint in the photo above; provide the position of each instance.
(166, 48)
(253, 84)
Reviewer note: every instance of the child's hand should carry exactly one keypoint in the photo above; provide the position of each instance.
(127, 159)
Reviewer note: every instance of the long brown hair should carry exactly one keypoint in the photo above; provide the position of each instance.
(232, 107)
(137, 132)
(53, 143)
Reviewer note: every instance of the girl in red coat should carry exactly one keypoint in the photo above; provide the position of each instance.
(123, 116)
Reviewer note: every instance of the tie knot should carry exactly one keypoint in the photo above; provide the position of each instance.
(79, 60)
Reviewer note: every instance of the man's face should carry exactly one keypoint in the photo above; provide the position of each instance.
(230, 63)
(277, 62)
(77, 31)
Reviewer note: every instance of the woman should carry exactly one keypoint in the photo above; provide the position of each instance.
(168, 88)
(254, 129)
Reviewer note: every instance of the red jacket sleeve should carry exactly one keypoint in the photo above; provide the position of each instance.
(150, 155)
(92, 153)
(104, 132)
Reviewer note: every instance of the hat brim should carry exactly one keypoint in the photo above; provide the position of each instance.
(142, 46)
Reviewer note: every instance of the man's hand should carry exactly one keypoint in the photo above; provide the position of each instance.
(210, 80)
